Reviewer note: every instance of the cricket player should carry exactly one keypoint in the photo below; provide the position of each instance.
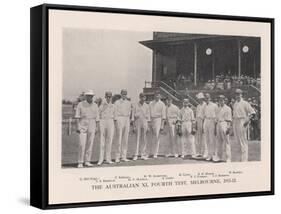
(172, 117)
(88, 117)
(202, 150)
(209, 126)
(187, 119)
(158, 115)
(223, 120)
(123, 117)
(107, 112)
(141, 117)
(242, 115)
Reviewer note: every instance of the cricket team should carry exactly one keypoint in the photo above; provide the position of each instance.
(204, 135)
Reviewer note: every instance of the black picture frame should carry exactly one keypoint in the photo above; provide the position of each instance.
(39, 104)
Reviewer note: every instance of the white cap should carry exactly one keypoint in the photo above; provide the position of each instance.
(89, 92)
(200, 95)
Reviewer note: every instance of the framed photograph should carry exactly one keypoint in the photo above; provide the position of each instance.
(133, 106)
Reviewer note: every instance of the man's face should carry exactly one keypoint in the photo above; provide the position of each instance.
(201, 101)
(82, 97)
(169, 102)
(238, 96)
(142, 98)
(89, 98)
(124, 95)
(221, 101)
(108, 98)
(185, 103)
(157, 97)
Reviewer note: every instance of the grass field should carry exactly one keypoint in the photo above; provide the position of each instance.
(70, 149)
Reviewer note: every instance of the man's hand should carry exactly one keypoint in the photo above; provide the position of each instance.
(193, 131)
(246, 123)
(162, 127)
(78, 126)
(179, 129)
(227, 131)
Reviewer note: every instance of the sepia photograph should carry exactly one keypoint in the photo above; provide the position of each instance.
(150, 98)
(147, 106)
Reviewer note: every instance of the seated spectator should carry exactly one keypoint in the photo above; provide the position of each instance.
(225, 82)
(175, 85)
(219, 85)
(258, 82)
(208, 85)
(228, 84)
(213, 84)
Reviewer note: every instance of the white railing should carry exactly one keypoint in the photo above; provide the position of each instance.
(168, 89)
(68, 125)
(254, 87)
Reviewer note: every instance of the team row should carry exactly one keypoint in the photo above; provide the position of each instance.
(211, 123)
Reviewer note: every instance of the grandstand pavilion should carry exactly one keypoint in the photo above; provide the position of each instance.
(184, 64)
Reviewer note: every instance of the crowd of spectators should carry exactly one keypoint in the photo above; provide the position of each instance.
(224, 82)
(220, 82)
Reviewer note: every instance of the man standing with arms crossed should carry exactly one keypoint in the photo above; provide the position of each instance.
(224, 119)
(88, 116)
(209, 127)
(141, 117)
(172, 116)
(107, 113)
(123, 114)
(202, 150)
(242, 115)
(187, 119)
(158, 115)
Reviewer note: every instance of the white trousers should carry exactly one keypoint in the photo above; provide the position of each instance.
(123, 127)
(173, 142)
(240, 135)
(142, 127)
(209, 129)
(200, 139)
(87, 129)
(223, 146)
(156, 126)
(106, 137)
(187, 139)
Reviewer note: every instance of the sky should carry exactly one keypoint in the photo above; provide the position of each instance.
(104, 60)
